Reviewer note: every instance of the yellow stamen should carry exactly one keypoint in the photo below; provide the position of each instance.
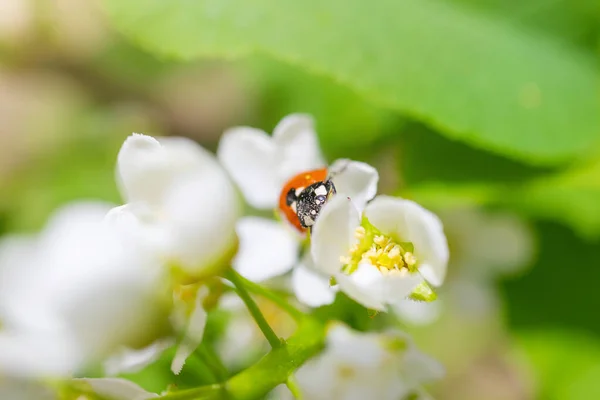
(360, 232)
(382, 251)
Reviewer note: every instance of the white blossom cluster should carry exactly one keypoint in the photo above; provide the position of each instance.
(116, 285)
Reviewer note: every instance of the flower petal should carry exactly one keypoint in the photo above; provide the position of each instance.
(399, 286)
(298, 146)
(116, 388)
(193, 334)
(131, 360)
(312, 288)
(199, 214)
(251, 158)
(134, 223)
(411, 222)
(142, 169)
(366, 286)
(266, 249)
(356, 180)
(418, 312)
(261, 165)
(333, 234)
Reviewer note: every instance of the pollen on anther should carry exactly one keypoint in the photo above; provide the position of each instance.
(360, 232)
(345, 260)
(410, 258)
(394, 253)
(379, 240)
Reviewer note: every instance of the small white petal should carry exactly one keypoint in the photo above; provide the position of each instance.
(356, 180)
(333, 234)
(298, 144)
(399, 286)
(312, 288)
(418, 312)
(200, 214)
(142, 169)
(193, 333)
(251, 158)
(261, 165)
(116, 389)
(366, 286)
(130, 360)
(267, 248)
(135, 224)
(413, 223)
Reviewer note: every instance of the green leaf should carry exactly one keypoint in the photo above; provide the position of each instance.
(345, 121)
(472, 76)
(551, 352)
(275, 368)
(572, 198)
(560, 289)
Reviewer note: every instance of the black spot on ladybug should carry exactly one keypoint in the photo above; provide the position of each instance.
(311, 200)
(291, 197)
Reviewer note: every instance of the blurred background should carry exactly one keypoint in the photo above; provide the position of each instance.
(517, 318)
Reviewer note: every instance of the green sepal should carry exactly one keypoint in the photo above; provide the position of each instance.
(423, 292)
(407, 246)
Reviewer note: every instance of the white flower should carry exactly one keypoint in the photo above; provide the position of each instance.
(261, 166)
(75, 293)
(366, 366)
(179, 201)
(381, 256)
(267, 248)
(182, 206)
(484, 245)
(310, 286)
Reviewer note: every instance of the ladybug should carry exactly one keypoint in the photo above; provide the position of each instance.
(304, 195)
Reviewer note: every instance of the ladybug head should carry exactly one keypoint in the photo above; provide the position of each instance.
(310, 201)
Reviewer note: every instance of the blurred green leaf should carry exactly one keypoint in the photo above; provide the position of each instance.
(470, 75)
(429, 157)
(566, 364)
(575, 20)
(80, 169)
(560, 289)
(345, 121)
(572, 197)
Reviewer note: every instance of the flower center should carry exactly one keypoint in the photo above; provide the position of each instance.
(384, 252)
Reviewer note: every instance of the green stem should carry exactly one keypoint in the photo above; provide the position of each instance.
(212, 359)
(269, 295)
(202, 392)
(276, 367)
(273, 369)
(293, 386)
(202, 369)
(262, 323)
